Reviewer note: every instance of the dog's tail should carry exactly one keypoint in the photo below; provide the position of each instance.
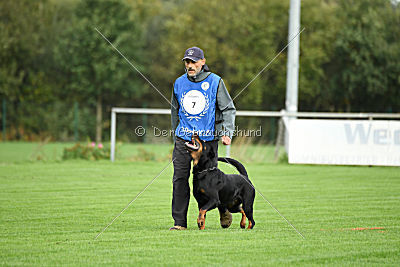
(239, 166)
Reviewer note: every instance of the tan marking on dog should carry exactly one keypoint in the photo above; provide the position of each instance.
(201, 220)
(243, 220)
(197, 154)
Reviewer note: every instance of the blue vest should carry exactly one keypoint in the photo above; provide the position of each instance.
(196, 106)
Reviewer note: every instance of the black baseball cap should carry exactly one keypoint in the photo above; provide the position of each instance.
(193, 53)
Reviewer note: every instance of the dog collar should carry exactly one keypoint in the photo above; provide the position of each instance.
(206, 170)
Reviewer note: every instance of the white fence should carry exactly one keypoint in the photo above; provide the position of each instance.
(281, 114)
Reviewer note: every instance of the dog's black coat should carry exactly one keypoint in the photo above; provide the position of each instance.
(212, 188)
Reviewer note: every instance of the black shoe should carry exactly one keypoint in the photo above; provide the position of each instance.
(225, 219)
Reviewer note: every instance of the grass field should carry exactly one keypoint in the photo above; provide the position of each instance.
(51, 211)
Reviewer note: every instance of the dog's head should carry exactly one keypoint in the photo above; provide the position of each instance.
(199, 151)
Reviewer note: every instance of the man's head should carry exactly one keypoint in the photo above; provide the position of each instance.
(194, 61)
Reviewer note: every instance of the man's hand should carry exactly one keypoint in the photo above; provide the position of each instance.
(226, 140)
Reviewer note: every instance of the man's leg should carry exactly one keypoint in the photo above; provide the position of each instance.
(181, 189)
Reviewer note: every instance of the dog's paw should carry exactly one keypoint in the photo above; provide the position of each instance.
(251, 225)
(243, 220)
(201, 224)
(201, 220)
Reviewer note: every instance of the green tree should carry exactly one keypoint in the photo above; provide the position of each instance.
(316, 49)
(238, 40)
(97, 73)
(26, 37)
(365, 71)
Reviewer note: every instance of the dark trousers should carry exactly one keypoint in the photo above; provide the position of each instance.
(180, 181)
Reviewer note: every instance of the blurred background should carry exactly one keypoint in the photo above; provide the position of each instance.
(59, 78)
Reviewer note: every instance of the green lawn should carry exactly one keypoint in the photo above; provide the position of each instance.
(51, 211)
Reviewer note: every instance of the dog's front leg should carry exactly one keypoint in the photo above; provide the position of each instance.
(201, 220)
(213, 201)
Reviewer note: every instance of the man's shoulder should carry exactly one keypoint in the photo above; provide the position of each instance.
(180, 78)
(214, 76)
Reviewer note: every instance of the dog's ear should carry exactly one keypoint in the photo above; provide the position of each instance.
(211, 152)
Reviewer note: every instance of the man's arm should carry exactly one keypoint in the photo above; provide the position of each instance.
(174, 113)
(225, 104)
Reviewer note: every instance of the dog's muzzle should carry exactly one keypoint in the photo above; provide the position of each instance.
(194, 145)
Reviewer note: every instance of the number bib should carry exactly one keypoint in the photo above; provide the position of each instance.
(196, 106)
(194, 102)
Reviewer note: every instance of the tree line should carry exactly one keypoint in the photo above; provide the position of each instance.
(58, 73)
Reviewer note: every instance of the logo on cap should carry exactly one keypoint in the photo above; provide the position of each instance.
(190, 52)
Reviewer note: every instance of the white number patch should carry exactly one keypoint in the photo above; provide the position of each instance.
(205, 86)
(194, 102)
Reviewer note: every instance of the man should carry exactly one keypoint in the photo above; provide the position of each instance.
(201, 103)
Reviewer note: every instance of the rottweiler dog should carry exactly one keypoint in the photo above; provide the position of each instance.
(212, 188)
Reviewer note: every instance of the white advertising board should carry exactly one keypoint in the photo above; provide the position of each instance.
(344, 142)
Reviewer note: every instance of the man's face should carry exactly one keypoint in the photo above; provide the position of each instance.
(194, 68)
